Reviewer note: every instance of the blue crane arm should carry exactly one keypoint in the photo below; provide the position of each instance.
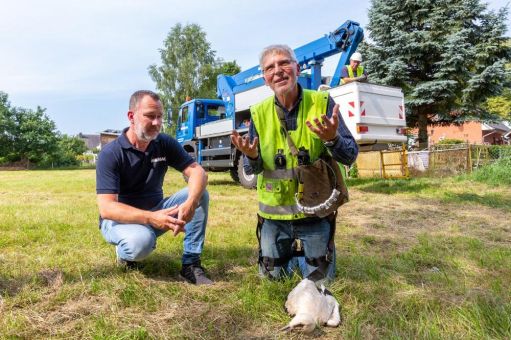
(344, 40)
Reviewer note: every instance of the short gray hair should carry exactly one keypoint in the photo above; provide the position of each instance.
(139, 95)
(277, 49)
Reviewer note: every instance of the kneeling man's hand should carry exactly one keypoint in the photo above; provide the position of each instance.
(165, 220)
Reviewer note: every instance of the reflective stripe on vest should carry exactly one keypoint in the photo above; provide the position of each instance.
(279, 212)
(279, 174)
(360, 71)
(276, 188)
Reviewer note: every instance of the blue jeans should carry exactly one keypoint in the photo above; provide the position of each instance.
(136, 241)
(277, 237)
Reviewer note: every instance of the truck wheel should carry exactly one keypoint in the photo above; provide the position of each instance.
(238, 174)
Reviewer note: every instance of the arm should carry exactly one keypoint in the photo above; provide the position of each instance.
(345, 148)
(110, 208)
(197, 182)
(249, 145)
(362, 78)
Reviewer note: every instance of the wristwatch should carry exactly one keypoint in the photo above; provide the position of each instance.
(331, 142)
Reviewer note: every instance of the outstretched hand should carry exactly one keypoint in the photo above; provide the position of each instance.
(243, 144)
(327, 129)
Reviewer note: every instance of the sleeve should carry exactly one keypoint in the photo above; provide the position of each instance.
(344, 72)
(177, 157)
(345, 150)
(108, 178)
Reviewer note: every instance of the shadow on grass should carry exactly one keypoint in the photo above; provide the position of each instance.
(230, 183)
(391, 186)
(490, 200)
(220, 263)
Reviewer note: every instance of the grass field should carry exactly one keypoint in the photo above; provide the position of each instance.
(417, 259)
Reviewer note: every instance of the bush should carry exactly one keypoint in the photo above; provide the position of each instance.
(452, 141)
(353, 172)
(497, 173)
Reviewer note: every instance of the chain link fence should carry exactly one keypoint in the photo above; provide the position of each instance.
(440, 160)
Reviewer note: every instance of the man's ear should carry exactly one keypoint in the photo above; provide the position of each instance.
(297, 69)
(130, 116)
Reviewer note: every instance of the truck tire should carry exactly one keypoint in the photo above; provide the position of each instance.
(238, 174)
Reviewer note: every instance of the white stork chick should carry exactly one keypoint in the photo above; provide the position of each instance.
(311, 306)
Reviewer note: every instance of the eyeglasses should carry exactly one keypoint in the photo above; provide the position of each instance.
(285, 65)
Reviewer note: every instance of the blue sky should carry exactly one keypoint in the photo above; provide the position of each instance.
(81, 60)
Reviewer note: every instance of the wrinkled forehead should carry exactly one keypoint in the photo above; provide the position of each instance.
(276, 54)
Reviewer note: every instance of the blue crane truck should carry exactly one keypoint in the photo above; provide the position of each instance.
(373, 113)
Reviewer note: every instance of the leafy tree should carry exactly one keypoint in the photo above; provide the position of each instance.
(69, 148)
(25, 134)
(189, 67)
(448, 56)
(501, 105)
(229, 68)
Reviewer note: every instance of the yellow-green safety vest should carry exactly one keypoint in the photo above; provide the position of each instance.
(360, 71)
(276, 188)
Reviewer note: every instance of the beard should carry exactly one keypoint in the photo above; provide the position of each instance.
(146, 135)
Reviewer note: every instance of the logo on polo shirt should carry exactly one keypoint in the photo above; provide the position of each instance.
(159, 159)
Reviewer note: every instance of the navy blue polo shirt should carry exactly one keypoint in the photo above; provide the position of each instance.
(137, 176)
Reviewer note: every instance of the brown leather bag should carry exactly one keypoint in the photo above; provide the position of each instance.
(321, 187)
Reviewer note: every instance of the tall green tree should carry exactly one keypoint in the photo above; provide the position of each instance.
(448, 56)
(189, 67)
(26, 135)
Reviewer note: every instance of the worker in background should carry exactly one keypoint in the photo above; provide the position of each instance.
(129, 178)
(353, 71)
(313, 122)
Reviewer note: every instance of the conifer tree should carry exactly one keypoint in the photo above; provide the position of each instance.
(448, 56)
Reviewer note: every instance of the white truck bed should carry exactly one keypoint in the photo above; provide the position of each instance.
(378, 107)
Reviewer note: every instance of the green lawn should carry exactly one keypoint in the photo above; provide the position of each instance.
(418, 259)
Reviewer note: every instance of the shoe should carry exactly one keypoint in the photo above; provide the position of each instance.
(131, 265)
(194, 273)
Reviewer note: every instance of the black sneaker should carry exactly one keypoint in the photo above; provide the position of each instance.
(130, 265)
(194, 273)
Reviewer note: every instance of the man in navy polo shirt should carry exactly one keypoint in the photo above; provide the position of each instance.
(129, 180)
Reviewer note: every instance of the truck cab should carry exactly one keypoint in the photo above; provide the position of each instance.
(192, 114)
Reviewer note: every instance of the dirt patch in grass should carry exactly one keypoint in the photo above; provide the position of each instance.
(399, 220)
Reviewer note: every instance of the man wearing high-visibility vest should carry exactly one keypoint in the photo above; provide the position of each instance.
(312, 121)
(353, 71)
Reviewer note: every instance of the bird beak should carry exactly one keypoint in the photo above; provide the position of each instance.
(285, 328)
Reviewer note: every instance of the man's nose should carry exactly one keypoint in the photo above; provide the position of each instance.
(278, 69)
